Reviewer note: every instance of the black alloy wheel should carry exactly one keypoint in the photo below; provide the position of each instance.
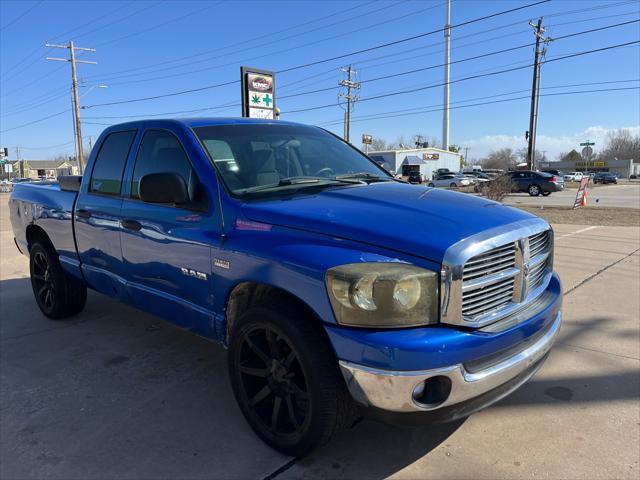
(273, 382)
(286, 378)
(42, 281)
(58, 294)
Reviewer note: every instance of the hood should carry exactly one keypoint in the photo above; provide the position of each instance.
(416, 220)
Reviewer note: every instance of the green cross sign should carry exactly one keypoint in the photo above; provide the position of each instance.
(267, 99)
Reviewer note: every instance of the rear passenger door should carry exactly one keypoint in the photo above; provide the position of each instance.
(166, 249)
(97, 215)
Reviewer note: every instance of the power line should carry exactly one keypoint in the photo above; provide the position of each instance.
(297, 67)
(260, 56)
(114, 75)
(524, 97)
(19, 17)
(472, 77)
(282, 97)
(373, 116)
(35, 121)
(428, 108)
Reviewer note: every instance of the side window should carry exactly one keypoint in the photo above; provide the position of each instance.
(106, 177)
(160, 152)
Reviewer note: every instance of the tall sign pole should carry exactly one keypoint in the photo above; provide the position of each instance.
(74, 88)
(587, 151)
(447, 58)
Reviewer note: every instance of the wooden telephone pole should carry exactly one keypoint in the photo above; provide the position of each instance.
(350, 84)
(74, 87)
(535, 93)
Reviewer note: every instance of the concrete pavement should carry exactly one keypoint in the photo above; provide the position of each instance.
(623, 195)
(116, 393)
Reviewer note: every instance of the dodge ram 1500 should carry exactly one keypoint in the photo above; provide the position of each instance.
(337, 289)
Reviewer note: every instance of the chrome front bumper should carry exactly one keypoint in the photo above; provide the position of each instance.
(394, 391)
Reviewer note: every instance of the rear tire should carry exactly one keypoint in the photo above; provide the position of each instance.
(534, 190)
(57, 294)
(286, 380)
(431, 185)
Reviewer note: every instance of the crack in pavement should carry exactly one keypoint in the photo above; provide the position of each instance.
(598, 351)
(602, 270)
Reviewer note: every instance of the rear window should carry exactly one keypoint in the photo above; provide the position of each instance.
(106, 177)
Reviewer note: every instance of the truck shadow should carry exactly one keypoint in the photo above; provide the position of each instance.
(115, 383)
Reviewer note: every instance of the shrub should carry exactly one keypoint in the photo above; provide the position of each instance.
(498, 188)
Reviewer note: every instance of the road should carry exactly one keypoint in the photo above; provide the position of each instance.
(624, 195)
(116, 393)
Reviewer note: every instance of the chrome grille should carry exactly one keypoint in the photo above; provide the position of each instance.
(538, 243)
(504, 275)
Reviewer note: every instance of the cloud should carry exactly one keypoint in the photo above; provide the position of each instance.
(553, 145)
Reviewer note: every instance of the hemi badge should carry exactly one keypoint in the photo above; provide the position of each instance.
(221, 263)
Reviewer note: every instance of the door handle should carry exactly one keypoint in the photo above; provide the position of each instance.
(131, 225)
(82, 213)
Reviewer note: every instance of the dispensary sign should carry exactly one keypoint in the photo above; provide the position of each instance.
(258, 93)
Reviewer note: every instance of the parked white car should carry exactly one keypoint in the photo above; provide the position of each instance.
(449, 180)
(573, 177)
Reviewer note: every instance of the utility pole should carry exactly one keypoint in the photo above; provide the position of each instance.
(447, 54)
(20, 162)
(535, 93)
(466, 152)
(74, 88)
(350, 84)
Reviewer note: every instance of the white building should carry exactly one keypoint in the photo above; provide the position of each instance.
(425, 160)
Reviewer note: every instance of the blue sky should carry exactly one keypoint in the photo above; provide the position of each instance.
(150, 47)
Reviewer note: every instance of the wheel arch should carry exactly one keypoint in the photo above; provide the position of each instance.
(246, 294)
(36, 233)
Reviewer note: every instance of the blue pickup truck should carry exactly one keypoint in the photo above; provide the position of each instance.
(338, 290)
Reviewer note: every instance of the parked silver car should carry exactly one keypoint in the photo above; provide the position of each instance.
(449, 180)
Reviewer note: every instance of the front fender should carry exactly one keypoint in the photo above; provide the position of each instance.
(292, 260)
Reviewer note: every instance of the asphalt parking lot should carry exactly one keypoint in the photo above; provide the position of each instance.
(622, 195)
(116, 393)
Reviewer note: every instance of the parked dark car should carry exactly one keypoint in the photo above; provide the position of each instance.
(536, 183)
(605, 177)
(415, 177)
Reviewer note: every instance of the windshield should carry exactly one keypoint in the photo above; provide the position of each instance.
(271, 158)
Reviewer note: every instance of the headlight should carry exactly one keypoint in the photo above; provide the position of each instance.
(385, 295)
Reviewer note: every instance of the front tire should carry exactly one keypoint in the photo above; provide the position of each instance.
(286, 380)
(57, 294)
(534, 190)
(546, 194)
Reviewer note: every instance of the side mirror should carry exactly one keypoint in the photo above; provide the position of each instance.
(163, 188)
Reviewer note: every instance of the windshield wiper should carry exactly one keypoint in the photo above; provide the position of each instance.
(285, 182)
(367, 177)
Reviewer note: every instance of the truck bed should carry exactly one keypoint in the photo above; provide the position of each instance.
(44, 205)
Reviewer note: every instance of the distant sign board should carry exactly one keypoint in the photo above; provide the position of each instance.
(430, 156)
(587, 152)
(258, 93)
(367, 139)
(8, 168)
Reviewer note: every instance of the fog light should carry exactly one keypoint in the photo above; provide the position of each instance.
(433, 391)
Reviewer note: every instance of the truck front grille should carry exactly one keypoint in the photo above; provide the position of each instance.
(504, 275)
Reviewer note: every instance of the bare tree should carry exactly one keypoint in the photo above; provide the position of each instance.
(503, 159)
(378, 144)
(621, 144)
